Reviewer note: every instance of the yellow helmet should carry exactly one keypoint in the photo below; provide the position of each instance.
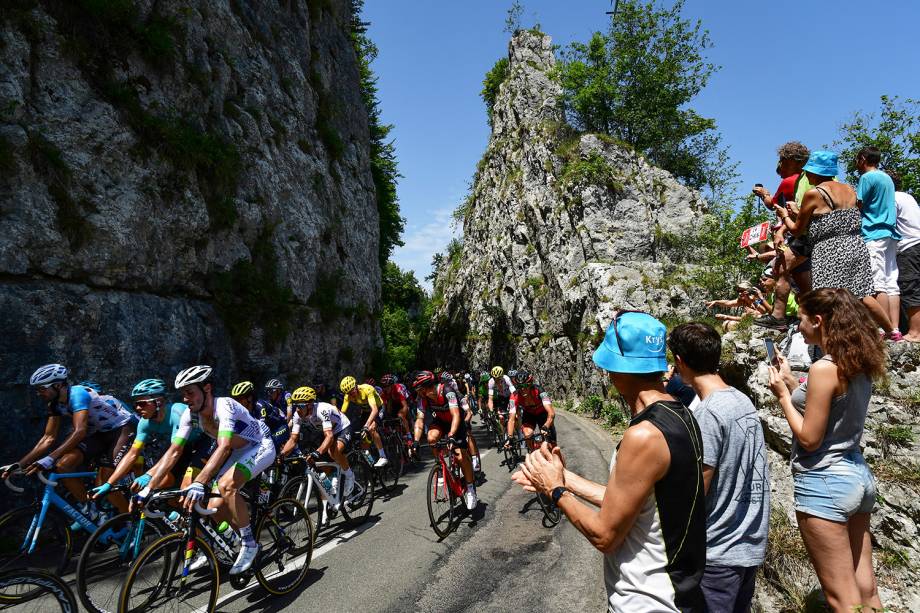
(303, 394)
(348, 383)
(497, 372)
(241, 389)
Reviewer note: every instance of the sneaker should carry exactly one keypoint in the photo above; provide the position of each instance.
(381, 463)
(896, 336)
(349, 484)
(199, 562)
(245, 559)
(469, 497)
(768, 321)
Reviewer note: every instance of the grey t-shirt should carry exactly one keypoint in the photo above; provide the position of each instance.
(738, 503)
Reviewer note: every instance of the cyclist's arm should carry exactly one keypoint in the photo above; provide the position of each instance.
(491, 387)
(372, 418)
(44, 443)
(80, 428)
(550, 411)
(127, 462)
(512, 415)
(327, 441)
(455, 419)
(290, 444)
(166, 463)
(419, 422)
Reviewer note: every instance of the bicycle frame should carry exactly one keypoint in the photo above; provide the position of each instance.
(450, 481)
(49, 498)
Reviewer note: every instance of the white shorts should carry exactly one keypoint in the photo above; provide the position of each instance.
(883, 260)
(251, 460)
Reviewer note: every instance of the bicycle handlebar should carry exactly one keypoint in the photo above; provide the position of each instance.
(14, 488)
(203, 511)
(41, 478)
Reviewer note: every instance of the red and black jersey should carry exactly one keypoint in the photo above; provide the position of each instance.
(447, 398)
(532, 400)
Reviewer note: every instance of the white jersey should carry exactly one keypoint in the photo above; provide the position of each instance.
(233, 420)
(501, 387)
(325, 417)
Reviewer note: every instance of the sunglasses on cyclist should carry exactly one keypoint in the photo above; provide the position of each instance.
(145, 402)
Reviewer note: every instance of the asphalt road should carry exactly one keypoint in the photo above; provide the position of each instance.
(499, 559)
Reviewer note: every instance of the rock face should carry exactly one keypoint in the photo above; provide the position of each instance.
(183, 182)
(560, 230)
(891, 445)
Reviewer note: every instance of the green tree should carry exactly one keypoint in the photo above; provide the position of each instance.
(635, 82)
(895, 130)
(384, 170)
(403, 319)
(494, 78)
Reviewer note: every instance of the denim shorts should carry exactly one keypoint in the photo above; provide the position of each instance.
(838, 491)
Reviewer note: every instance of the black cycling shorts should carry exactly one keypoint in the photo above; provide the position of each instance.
(113, 443)
(444, 427)
(532, 420)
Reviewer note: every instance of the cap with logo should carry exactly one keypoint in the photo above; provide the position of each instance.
(634, 344)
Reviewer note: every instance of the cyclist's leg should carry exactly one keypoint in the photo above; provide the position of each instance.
(404, 420)
(120, 441)
(527, 429)
(464, 456)
(68, 463)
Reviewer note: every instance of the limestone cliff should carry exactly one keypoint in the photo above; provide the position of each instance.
(560, 230)
(183, 182)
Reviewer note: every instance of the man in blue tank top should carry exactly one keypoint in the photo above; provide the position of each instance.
(652, 527)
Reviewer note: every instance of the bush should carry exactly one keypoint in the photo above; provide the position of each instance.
(493, 80)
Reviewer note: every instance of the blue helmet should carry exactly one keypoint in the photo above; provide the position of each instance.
(92, 385)
(149, 387)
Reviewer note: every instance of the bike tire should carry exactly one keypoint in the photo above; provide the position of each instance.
(389, 474)
(101, 568)
(296, 488)
(159, 567)
(41, 583)
(286, 535)
(442, 518)
(358, 507)
(52, 553)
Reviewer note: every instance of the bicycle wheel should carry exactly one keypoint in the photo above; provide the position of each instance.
(156, 578)
(52, 552)
(286, 535)
(389, 474)
(297, 488)
(441, 502)
(358, 506)
(107, 557)
(551, 513)
(48, 592)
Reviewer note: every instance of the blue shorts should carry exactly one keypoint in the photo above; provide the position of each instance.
(838, 491)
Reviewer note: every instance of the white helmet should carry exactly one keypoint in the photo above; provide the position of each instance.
(49, 373)
(193, 374)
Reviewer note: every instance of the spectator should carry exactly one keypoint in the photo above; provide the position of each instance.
(834, 488)
(767, 285)
(830, 216)
(879, 229)
(652, 520)
(749, 301)
(735, 473)
(792, 265)
(908, 256)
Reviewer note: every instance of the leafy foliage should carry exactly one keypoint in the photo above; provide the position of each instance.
(895, 131)
(494, 78)
(404, 319)
(634, 83)
(384, 168)
(513, 17)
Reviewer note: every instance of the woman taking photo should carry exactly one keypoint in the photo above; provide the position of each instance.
(834, 488)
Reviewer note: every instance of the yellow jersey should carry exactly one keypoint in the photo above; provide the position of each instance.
(366, 396)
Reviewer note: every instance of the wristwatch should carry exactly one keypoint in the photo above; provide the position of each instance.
(557, 494)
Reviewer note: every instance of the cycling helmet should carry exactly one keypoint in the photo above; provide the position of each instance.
(148, 387)
(200, 374)
(274, 384)
(371, 381)
(92, 385)
(387, 379)
(348, 383)
(446, 377)
(242, 388)
(423, 379)
(497, 372)
(49, 373)
(522, 377)
(512, 373)
(303, 394)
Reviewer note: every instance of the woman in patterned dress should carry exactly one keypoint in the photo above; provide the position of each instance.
(831, 217)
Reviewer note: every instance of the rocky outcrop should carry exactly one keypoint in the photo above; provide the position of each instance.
(559, 231)
(891, 445)
(183, 182)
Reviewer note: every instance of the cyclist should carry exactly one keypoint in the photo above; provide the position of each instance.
(459, 389)
(440, 402)
(279, 398)
(336, 432)
(101, 425)
(263, 410)
(244, 449)
(535, 407)
(482, 393)
(500, 389)
(395, 398)
(366, 397)
(158, 425)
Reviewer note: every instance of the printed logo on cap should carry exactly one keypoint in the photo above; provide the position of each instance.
(655, 343)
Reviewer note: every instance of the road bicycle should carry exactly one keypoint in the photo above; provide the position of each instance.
(386, 476)
(324, 505)
(445, 490)
(394, 443)
(47, 592)
(180, 571)
(41, 535)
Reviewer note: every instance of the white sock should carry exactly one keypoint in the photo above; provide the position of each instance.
(246, 536)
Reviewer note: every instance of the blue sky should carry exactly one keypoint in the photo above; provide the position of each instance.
(790, 70)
